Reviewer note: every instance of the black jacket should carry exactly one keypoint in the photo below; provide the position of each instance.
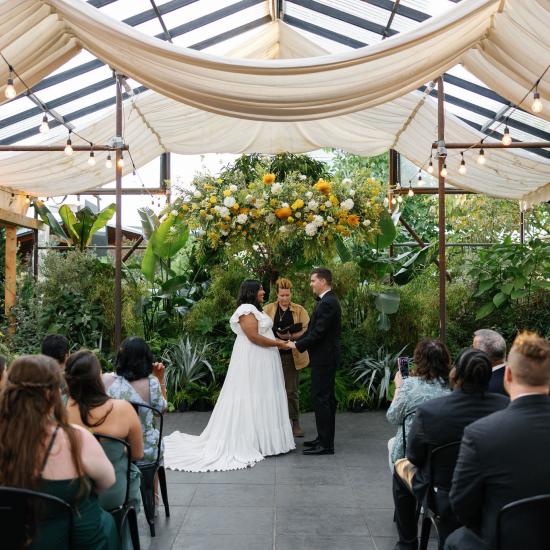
(322, 338)
(503, 457)
(442, 420)
(496, 383)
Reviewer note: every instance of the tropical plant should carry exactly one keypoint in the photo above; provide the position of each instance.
(358, 400)
(376, 373)
(77, 230)
(186, 363)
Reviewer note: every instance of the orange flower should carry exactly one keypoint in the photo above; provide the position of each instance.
(323, 186)
(269, 178)
(284, 212)
(353, 220)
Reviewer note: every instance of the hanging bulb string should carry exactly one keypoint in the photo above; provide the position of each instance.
(136, 172)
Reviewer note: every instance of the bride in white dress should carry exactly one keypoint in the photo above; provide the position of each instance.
(250, 419)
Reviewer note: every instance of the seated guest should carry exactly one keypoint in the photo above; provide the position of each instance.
(56, 346)
(438, 422)
(504, 456)
(494, 345)
(40, 450)
(89, 406)
(429, 379)
(139, 380)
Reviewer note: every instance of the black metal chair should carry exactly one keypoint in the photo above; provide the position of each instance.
(125, 513)
(442, 463)
(524, 524)
(403, 428)
(24, 515)
(148, 472)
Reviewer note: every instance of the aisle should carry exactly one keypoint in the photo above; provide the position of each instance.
(291, 502)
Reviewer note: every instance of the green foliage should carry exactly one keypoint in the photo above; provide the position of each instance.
(342, 386)
(346, 165)
(508, 273)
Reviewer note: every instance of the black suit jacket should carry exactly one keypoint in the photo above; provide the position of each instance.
(503, 457)
(441, 421)
(322, 338)
(496, 382)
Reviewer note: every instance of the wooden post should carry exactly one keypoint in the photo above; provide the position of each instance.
(10, 287)
(118, 226)
(393, 167)
(441, 224)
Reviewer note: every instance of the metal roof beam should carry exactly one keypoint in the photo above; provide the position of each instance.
(405, 11)
(323, 32)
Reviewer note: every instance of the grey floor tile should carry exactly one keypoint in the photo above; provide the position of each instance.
(233, 494)
(174, 477)
(388, 543)
(228, 521)
(321, 521)
(307, 542)
(192, 541)
(179, 495)
(254, 475)
(315, 474)
(380, 522)
(326, 496)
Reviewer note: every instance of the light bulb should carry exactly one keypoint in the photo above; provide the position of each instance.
(481, 157)
(410, 193)
(68, 148)
(386, 202)
(536, 105)
(120, 162)
(91, 159)
(420, 180)
(506, 138)
(400, 199)
(44, 126)
(108, 162)
(462, 167)
(10, 89)
(443, 172)
(431, 167)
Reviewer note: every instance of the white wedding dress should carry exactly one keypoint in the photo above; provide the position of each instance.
(250, 419)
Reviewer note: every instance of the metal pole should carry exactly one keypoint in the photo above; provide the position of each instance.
(498, 145)
(522, 227)
(118, 228)
(165, 174)
(35, 250)
(392, 161)
(441, 225)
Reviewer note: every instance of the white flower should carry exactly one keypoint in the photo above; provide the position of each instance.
(386, 201)
(224, 232)
(197, 195)
(328, 204)
(302, 177)
(222, 211)
(229, 201)
(265, 195)
(330, 219)
(346, 181)
(209, 217)
(352, 192)
(283, 228)
(276, 188)
(241, 218)
(173, 230)
(200, 232)
(248, 198)
(174, 213)
(297, 214)
(270, 219)
(311, 229)
(348, 204)
(313, 205)
(259, 203)
(309, 194)
(366, 223)
(285, 204)
(233, 188)
(318, 220)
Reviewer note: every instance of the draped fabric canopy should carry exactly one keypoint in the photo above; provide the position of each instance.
(251, 100)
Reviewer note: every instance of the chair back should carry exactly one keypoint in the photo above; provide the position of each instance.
(404, 428)
(442, 464)
(159, 421)
(524, 524)
(29, 517)
(102, 438)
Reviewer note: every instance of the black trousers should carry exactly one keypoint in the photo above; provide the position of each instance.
(324, 402)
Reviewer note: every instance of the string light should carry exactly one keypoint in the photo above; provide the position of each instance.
(431, 166)
(462, 167)
(481, 157)
(120, 161)
(91, 158)
(400, 199)
(420, 180)
(44, 127)
(108, 162)
(443, 172)
(68, 148)
(10, 89)
(411, 192)
(386, 202)
(536, 106)
(506, 138)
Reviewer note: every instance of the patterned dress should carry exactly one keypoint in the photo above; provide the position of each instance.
(413, 393)
(120, 388)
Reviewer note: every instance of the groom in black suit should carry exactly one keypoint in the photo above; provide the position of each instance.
(322, 341)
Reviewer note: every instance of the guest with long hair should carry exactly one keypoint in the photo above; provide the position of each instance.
(40, 450)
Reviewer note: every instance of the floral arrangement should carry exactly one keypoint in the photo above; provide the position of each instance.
(225, 211)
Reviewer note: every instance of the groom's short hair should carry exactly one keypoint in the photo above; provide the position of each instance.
(323, 273)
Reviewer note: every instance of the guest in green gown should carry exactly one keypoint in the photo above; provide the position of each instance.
(40, 450)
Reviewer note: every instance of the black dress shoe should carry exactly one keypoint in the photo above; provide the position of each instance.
(312, 443)
(318, 451)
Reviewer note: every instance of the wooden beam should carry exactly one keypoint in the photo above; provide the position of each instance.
(7, 217)
(10, 282)
(128, 191)
(498, 145)
(56, 148)
(432, 191)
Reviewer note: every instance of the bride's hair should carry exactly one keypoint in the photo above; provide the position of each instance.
(248, 293)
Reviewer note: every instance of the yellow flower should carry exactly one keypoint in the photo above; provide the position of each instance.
(219, 180)
(283, 212)
(194, 206)
(185, 208)
(202, 213)
(353, 220)
(269, 178)
(213, 199)
(333, 200)
(297, 204)
(322, 207)
(290, 219)
(227, 192)
(235, 207)
(227, 218)
(244, 210)
(323, 186)
(274, 202)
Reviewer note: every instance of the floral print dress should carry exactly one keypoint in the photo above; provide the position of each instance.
(120, 388)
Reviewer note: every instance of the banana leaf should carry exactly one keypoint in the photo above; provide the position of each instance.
(149, 263)
(169, 237)
(70, 221)
(149, 221)
(101, 220)
(49, 219)
(386, 234)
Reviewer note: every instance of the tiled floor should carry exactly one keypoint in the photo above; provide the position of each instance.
(290, 502)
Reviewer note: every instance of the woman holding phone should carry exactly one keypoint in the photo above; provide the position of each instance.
(290, 321)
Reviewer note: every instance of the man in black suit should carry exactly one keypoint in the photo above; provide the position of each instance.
(504, 457)
(438, 422)
(322, 341)
(494, 345)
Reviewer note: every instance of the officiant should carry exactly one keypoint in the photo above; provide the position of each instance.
(290, 321)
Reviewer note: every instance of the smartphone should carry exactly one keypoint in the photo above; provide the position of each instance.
(403, 366)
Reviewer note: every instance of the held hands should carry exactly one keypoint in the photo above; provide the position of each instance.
(158, 370)
(398, 379)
